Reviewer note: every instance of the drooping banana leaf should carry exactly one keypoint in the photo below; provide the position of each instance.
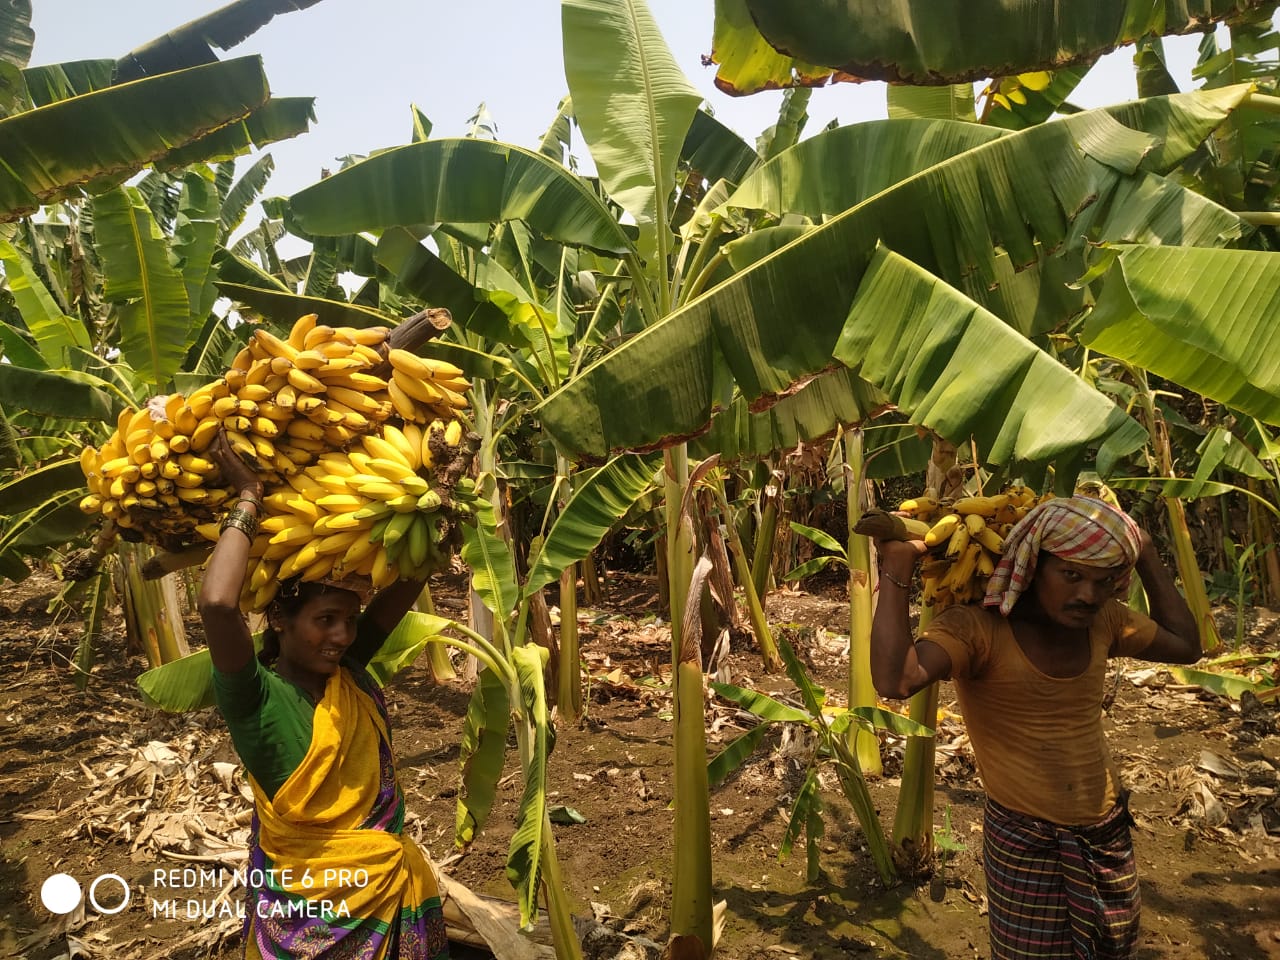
(950, 102)
(715, 151)
(524, 859)
(110, 134)
(828, 401)
(55, 334)
(779, 321)
(10, 455)
(284, 308)
(1205, 319)
(424, 275)
(193, 42)
(493, 572)
(243, 193)
(148, 291)
(748, 63)
(195, 240)
(278, 119)
(481, 753)
(924, 42)
(94, 597)
(634, 106)
(62, 393)
(459, 180)
(33, 488)
(62, 81)
(598, 502)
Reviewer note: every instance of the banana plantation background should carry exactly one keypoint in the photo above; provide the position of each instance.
(696, 367)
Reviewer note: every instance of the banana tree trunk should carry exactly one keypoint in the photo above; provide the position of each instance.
(569, 674)
(152, 608)
(592, 593)
(862, 692)
(913, 822)
(1266, 541)
(766, 536)
(691, 893)
(1184, 554)
(679, 542)
(769, 655)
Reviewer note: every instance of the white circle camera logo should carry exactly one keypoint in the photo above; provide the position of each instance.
(61, 893)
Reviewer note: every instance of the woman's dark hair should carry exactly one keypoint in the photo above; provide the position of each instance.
(289, 600)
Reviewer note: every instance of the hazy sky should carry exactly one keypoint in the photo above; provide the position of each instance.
(366, 61)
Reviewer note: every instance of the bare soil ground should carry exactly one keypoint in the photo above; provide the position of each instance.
(95, 783)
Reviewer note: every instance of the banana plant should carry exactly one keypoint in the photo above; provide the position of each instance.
(832, 727)
(597, 503)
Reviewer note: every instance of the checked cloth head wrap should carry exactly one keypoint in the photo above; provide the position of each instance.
(1080, 529)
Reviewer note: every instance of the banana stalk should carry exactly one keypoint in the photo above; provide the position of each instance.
(1184, 555)
(679, 540)
(569, 674)
(569, 690)
(766, 536)
(913, 822)
(691, 894)
(862, 693)
(759, 624)
(151, 608)
(437, 653)
(1266, 546)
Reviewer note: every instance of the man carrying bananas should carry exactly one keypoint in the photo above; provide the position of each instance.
(331, 871)
(1029, 667)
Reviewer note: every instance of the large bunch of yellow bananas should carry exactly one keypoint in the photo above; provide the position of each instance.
(966, 537)
(311, 415)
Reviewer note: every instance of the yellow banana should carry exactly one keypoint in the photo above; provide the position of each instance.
(301, 327)
(941, 531)
(377, 447)
(983, 506)
(959, 541)
(304, 382)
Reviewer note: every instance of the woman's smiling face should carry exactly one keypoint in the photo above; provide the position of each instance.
(316, 638)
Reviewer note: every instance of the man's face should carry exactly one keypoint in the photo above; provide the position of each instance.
(1072, 594)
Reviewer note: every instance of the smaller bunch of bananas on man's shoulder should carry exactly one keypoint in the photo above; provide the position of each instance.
(302, 412)
(965, 537)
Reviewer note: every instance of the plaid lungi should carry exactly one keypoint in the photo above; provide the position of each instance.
(1061, 892)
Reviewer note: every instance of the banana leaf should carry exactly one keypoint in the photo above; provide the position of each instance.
(950, 102)
(748, 63)
(16, 36)
(493, 571)
(110, 134)
(634, 106)
(280, 118)
(924, 42)
(422, 274)
(62, 81)
(52, 393)
(148, 291)
(1043, 103)
(481, 753)
(95, 597)
(806, 818)
(195, 240)
(715, 151)
(1204, 319)
(10, 455)
(284, 308)
(524, 859)
(780, 320)
(464, 181)
(243, 193)
(55, 333)
(193, 42)
(598, 502)
(734, 755)
(1187, 488)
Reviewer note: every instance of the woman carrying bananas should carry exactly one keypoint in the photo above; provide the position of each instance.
(1029, 666)
(331, 872)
